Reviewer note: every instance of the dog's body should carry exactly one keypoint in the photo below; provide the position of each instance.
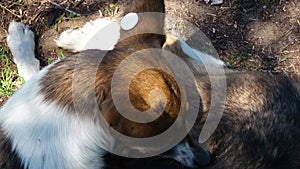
(259, 128)
(53, 121)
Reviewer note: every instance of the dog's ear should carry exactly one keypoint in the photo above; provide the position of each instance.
(149, 18)
(139, 6)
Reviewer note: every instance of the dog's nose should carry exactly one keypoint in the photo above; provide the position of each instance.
(203, 158)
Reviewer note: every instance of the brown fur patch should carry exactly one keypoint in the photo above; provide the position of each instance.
(58, 84)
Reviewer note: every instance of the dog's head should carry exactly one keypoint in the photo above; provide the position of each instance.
(135, 43)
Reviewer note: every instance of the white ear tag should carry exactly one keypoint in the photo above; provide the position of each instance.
(129, 21)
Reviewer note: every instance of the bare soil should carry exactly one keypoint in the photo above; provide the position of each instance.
(256, 35)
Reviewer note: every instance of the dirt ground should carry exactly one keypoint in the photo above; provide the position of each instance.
(256, 35)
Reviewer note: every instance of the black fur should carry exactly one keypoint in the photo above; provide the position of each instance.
(8, 158)
(260, 127)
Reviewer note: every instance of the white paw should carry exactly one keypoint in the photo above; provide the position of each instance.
(20, 40)
(98, 34)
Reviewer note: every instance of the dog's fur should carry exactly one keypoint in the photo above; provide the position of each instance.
(45, 125)
(42, 128)
(260, 125)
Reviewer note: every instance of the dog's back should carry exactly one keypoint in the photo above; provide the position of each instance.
(260, 127)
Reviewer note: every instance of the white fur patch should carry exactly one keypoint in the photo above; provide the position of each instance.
(200, 56)
(45, 136)
(97, 34)
(21, 43)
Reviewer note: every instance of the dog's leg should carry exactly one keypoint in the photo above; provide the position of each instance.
(97, 34)
(20, 40)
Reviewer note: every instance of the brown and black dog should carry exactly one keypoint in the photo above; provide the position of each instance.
(54, 120)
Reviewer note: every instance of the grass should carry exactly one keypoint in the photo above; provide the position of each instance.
(235, 59)
(49, 61)
(110, 11)
(285, 57)
(63, 17)
(58, 21)
(179, 26)
(293, 21)
(16, 3)
(61, 53)
(72, 17)
(10, 80)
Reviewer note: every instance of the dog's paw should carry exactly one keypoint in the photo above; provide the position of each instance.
(20, 40)
(98, 34)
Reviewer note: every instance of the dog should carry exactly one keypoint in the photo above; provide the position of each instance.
(48, 124)
(43, 126)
